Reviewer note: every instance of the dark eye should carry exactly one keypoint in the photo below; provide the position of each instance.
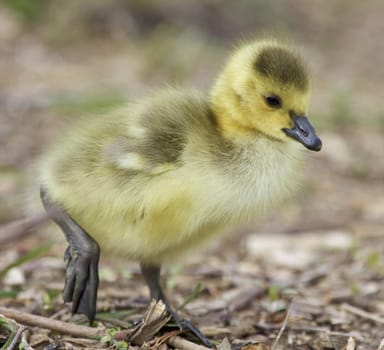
(273, 101)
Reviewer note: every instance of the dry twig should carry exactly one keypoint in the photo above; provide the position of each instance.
(312, 329)
(17, 337)
(362, 313)
(160, 341)
(48, 323)
(18, 229)
(183, 344)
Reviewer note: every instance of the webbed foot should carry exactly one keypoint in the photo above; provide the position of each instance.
(82, 256)
(186, 325)
(151, 274)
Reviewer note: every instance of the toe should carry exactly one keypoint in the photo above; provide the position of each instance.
(87, 301)
(184, 324)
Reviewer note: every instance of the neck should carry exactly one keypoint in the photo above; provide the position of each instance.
(224, 106)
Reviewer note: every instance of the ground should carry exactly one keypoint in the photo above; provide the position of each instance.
(309, 275)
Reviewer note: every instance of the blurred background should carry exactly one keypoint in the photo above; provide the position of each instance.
(61, 59)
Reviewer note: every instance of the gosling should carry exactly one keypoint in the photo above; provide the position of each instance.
(159, 177)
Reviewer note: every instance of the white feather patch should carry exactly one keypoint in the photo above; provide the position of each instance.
(135, 131)
(131, 161)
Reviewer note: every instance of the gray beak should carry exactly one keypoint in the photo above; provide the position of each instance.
(304, 132)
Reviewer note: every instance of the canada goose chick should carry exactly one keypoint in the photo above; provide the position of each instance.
(157, 178)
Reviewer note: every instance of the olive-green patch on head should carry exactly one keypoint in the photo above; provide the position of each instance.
(283, 66)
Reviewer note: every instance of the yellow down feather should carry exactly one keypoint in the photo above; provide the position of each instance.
(156, 178)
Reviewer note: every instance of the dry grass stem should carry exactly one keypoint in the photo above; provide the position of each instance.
(283, 327)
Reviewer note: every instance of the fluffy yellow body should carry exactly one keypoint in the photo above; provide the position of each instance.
(157, 178)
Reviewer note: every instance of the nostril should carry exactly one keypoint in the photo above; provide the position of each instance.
(304, 132)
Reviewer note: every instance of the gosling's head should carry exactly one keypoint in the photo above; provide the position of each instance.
(265, 89)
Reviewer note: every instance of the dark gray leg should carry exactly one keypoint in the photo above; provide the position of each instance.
(151, 275)
(82, 256)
